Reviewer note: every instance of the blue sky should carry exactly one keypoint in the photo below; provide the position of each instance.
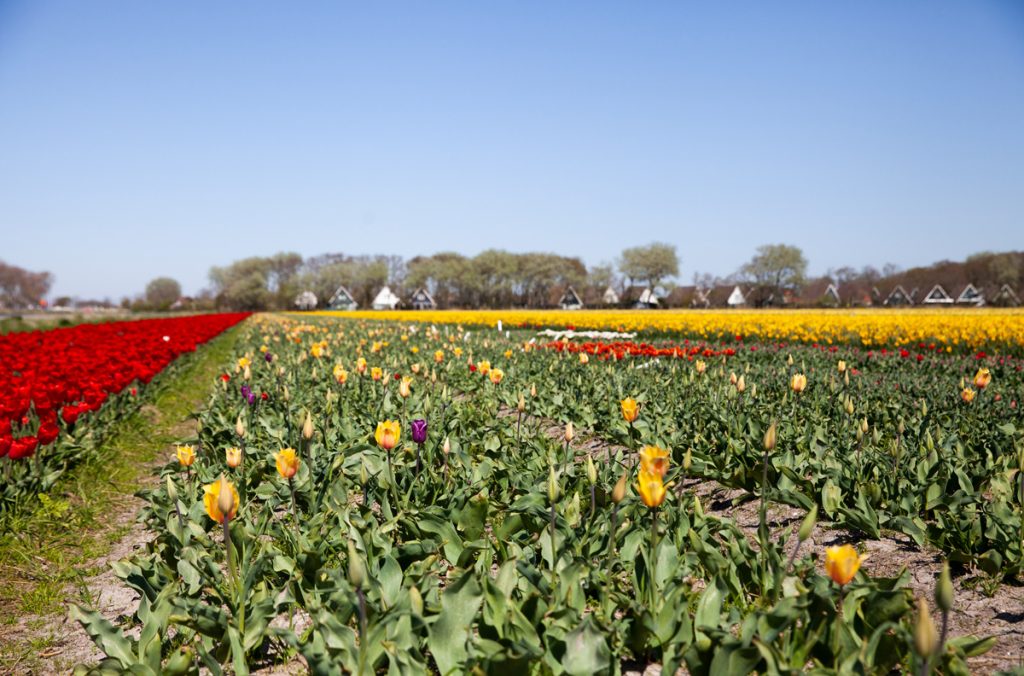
(144, 139)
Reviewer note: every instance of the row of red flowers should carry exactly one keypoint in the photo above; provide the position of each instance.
(48, 376)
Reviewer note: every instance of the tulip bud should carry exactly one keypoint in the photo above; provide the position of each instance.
(591, 470)
(225, 498)
(900, 427)
(688, 460)
(172, 490)
(789, 360)
(770, 437)
(446, 447)
(849, 407)
(619, 492)
(247, 374)
(926, 638)
(924, 408)
(287, 396)
(415, 600)
(356, 567)
(864, 425)
(364, 476)
(552, 485)
(807, 527)
(569, 434)
(307, 427)
(533, 390)
(944, 590)
(753, 391)
(846, 378)
(521, 405)
(240, 428)
(741, 384)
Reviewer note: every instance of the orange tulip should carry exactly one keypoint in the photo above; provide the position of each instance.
(376, 373)
(630, 409)
(654, 460)
(842, 563)
(287, 463)
(388, 434)
(652, 490)
(340, 374)
(361, 366)
(213, 503)
(798, 382)
(982, 378)
(439, 356)
(233, 456)
(967, 394)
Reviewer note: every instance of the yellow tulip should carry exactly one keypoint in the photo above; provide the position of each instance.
(243, 362)
(651, 489)
(700, 366)
(630, 409)
(842, 563)
(287, 463)
(388, 433)
(654, 460)
(841, 366)
(982, 378)
(340, 374)
(439, 356)
(798, 382)
(376, 373)
(233, 457)
(584, 357)
(496, 375)
(186, 455)
(967, 394)
(483, 367)
(405, 387)
(213, 503)
(361, 365)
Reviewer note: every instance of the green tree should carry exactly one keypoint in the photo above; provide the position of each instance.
(162, 292)
(653, 263)
(773, 270)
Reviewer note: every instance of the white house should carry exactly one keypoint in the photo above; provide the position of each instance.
(570, 300)
(422, 300)
(937, 296)
(610, 297)
(342, 300)
(386, 300)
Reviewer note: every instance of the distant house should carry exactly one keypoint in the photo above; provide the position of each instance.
(898, 297)
(640, 298)
(1006, 297)
(610, 297)
(969, 295)
(342, 300)
(422, 300)
(385, 300)
(726, 296)
(183, 303)
(937, 296)
(820, 293)
(570, 300)
(306, 301)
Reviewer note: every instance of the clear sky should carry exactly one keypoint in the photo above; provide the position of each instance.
(140, 139)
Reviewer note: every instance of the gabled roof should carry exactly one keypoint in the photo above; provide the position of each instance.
(898, 296)
(937, 295)
(422, 297)
(822, 291)
(639, 295)
(1006, 296)
(682, 296)
(342, 298)
(570, 299)
(610, 296)
(386, 299)
(970, 295)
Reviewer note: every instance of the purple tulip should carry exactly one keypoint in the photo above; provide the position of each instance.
(269, 357)
(419, 430)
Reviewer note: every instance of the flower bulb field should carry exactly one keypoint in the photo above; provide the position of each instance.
(711, 493)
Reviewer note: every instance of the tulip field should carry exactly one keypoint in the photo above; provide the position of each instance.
(60, 389)
(385, 496)
(444, 496)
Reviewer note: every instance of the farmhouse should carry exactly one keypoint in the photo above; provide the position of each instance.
(570, 300)
(342, 300)
(898, 297)
(820, 293)
(422, 300)
(726, 296)
(386, 300)
(306, 301)
(639, 298)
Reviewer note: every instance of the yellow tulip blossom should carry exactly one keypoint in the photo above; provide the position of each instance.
(842, 563)
(388, 433)
(186, 455)
(982, 378)
(287, 463)
(798, 383)
(233, 457)
(654, 460)
(496, 375)
(651, 489)
(630, 409)
(212, 501)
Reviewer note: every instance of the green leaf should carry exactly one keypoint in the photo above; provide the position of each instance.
(586, 650)
(448, 635)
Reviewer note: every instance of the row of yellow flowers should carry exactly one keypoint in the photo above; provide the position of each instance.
(952, 328)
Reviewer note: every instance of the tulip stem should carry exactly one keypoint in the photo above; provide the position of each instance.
(593, 500)
(291, 486)
(362, 628)
(227, 547)
(945, 631)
